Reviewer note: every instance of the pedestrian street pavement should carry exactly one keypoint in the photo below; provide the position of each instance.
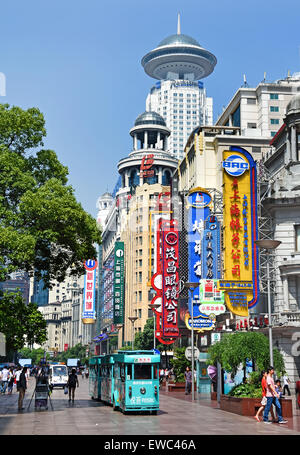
(177, 416)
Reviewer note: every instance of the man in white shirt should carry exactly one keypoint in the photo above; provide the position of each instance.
(4, 379)
(286, 383)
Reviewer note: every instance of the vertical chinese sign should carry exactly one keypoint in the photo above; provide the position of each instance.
(118, 311)
(198, 202)
(211, 249)
(240, 231)
(88, 312)
(170, 278)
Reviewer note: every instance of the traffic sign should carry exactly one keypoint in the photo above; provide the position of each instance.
(188, 353)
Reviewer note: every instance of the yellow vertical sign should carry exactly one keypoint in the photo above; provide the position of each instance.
(237, 234)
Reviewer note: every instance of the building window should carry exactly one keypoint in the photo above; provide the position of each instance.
(297, 237)
(274, 109)
(274, 121)
(251, 101)
(256, 149)
(273, 133)
(251, 125)
(236, 117)
(273, 96)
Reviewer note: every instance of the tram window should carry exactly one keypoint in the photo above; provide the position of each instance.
(129, 372)
(116, 371)
(122, 372)
(142, 371)
(155, 372)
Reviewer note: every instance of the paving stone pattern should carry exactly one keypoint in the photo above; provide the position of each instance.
(177, 416)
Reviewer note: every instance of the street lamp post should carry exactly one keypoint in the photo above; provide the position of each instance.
(269, 245)
(132, 319)
(191, 287)
(153, 307)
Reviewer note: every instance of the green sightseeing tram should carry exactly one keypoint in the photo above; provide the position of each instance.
(129, 380)
(94, 377)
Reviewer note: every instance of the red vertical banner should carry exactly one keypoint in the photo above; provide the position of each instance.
(170, 277)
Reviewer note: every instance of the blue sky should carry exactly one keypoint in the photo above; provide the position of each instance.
(79, 63)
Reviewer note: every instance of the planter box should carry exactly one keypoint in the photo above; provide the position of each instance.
(249, 406)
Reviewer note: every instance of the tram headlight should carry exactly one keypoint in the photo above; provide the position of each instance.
(143, 390)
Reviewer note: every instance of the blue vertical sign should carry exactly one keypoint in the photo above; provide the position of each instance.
(211, 249)
(198, 205)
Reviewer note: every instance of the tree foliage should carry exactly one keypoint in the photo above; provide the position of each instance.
(76, 352)
(43, 229)
(179, 364)
(20, 323)
(234, 349)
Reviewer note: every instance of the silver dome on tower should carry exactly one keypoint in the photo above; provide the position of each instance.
(179, 57)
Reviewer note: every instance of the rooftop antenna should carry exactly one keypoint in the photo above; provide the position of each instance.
(245, 81)
(178, 25)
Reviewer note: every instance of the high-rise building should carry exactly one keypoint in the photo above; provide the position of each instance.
(179, 96)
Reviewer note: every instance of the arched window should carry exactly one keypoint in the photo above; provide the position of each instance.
(152, 180)
(134, 179)
(166, 179)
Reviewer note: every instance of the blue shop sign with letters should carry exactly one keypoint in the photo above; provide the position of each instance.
(211, 249)
(235, 165)
(198, 205)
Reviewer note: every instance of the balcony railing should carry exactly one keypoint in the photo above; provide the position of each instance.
(286, 319)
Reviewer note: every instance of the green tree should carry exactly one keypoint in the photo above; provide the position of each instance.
(20, 323)
(34, 354)
(43, 229)
(144, 340)
(236, 348)
(179, 364)
(76, 352)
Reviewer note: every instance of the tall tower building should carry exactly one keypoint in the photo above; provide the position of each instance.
(179, 96)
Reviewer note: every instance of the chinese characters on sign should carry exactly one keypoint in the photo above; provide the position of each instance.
(211, 248)
(170, 278)
(118, 315)
(240, 231)
(146, 164)
(88, 313)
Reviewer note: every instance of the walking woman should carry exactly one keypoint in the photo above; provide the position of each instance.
(264, 398)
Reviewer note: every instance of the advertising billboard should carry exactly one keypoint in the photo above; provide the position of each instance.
(200, 251)
(240, 230)
(170, 278)
(89, 292)
(119, 295)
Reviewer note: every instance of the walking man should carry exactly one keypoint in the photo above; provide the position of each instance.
(5, 373)
(286, 383)
(22, 386)
(72, 382)
(272, 398)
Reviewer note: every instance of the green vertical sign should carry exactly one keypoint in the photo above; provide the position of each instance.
(119, 296)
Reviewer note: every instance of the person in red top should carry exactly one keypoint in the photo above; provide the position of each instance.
(264, 398)
(272, 398)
